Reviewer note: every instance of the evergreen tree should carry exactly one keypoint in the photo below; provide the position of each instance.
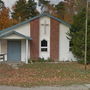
(78, 36)
(31, 10)
(23, 10)
(19, 10)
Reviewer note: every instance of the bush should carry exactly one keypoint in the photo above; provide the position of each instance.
(49, 60)
(83, 61)
(40, 60)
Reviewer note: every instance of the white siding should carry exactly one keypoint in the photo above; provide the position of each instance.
(23, 51)
(63, 43)
(64, 53)
(13, 36)
(43, 36)
(24, 29)
(71, 57)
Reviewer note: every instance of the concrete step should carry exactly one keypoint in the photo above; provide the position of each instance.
(15, 65)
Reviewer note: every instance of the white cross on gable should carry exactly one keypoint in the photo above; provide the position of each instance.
(45, 26)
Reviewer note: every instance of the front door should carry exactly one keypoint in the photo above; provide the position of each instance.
(14, 50)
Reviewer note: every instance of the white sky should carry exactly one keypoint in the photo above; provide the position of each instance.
(9, 3)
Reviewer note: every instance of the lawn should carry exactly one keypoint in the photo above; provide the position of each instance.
(44, 74)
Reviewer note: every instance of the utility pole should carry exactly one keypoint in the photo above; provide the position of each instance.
(86, 30)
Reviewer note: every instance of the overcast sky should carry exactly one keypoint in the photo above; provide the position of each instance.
(9, 3)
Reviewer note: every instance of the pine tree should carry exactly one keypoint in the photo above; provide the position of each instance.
(19, 10)
(31, 10)
(78, 36)
(23, 10)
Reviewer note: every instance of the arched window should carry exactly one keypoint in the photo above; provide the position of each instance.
(43, 43)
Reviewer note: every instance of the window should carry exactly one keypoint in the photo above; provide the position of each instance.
(44, 46)
(70, 46)
(44, 43)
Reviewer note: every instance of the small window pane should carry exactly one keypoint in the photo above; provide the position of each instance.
(44, 43)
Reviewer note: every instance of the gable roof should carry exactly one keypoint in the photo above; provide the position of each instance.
(29, 20)
(16, 33)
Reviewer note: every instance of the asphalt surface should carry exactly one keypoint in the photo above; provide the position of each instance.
(73, 87)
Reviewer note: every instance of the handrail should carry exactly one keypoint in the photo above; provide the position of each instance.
(2, 56)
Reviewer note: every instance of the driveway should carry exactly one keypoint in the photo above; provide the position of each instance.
(73, 87)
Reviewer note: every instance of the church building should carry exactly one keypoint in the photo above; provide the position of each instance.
(43, 36)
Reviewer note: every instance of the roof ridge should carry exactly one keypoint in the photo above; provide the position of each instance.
(29, 20)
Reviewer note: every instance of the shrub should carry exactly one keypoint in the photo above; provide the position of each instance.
(40, 60)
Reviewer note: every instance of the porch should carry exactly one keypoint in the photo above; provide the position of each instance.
(15, 47)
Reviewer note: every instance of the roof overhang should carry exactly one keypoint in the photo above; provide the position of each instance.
(15, 33)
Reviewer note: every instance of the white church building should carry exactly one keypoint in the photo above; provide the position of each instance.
(43, 36)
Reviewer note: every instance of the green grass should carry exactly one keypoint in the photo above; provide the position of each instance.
(41, 74)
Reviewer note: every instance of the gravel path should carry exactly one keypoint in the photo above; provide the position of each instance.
(73, 87)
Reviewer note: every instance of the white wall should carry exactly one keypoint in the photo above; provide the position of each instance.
(13, 36)
(23, 50)
(46, 36)
(71, 57)
(63, 43)
(23, 29)
(64, 53)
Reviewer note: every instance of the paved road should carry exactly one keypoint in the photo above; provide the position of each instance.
(73, 87)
